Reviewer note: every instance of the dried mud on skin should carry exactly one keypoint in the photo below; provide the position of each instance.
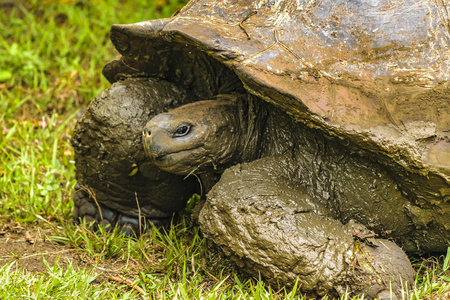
(28, 246)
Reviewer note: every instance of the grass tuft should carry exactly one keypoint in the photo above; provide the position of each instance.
(60, 282)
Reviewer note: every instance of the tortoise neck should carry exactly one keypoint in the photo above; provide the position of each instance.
(246, 121)
(253, 117)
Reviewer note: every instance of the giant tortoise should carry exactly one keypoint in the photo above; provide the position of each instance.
(320, 131)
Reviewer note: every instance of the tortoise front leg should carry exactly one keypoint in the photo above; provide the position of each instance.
(112, 170)
(268, 226)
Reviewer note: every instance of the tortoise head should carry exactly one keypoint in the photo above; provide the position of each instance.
(197, 137)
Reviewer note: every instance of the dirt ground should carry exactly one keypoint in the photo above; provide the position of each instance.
(28, 246)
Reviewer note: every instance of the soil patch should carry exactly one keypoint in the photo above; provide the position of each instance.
(29, 246)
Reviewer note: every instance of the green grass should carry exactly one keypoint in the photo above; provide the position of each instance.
(62, 283)
(52, 52)
(51, 56)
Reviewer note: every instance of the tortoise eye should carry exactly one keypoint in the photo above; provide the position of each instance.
(182, 130)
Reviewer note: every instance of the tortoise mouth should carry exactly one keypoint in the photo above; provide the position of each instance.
(161, 157)
(164, 157)
(176, 162)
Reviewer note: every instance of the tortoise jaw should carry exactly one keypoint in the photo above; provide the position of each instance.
(157, 153)
(176, 161)
(173, 162)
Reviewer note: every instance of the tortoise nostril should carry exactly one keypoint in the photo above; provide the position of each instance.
(147, 133)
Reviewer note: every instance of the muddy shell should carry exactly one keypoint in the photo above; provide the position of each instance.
(375, 75)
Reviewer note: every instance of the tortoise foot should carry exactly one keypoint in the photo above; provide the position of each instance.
(94, 214)
(381, 270)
